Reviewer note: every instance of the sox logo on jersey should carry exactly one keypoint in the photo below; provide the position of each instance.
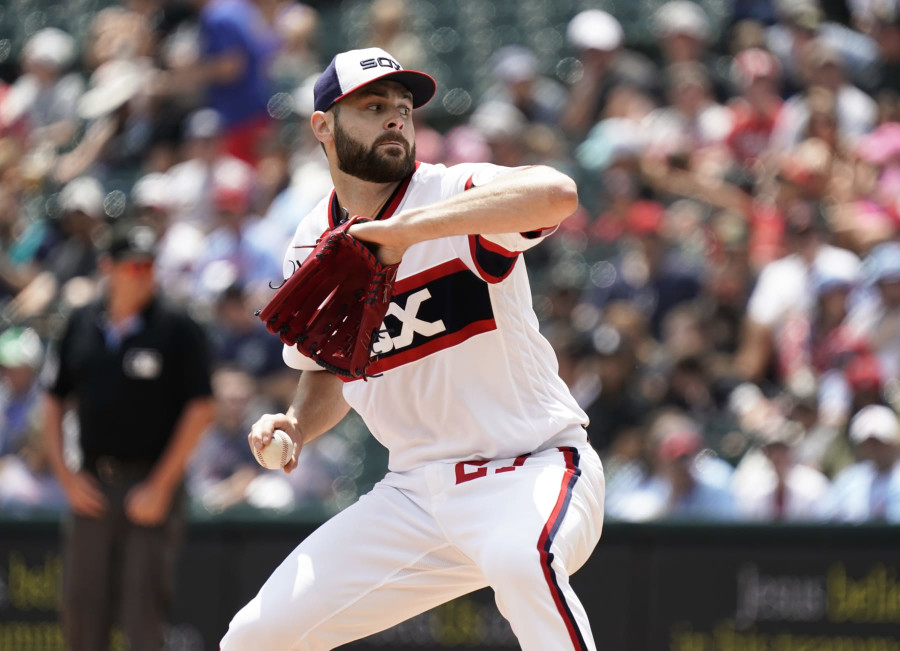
(411, 323)
(418, 322)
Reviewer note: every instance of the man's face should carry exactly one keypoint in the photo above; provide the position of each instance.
(19, 379)
(132, 276)
(884, 455)
(380, 114)
(683, 47)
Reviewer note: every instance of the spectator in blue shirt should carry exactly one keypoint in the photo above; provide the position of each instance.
(869, 490)
(236, 47)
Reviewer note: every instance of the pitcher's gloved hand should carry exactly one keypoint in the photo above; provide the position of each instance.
(333, 306)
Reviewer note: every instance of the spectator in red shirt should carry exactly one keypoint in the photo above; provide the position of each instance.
(758, 76)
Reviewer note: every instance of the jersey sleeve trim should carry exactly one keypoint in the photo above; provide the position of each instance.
(539, 233)
(492, 261)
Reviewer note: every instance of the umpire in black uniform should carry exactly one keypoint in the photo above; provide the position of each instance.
(137, 372)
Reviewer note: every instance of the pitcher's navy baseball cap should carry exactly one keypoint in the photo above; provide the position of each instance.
(350, 71)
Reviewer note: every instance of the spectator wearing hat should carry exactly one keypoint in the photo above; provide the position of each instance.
(760, 12)
(843, 392)
(684, 34)
(181, 243)
(205, 154)
(869, 490)
(691, 119)
(21, 355)
(119, 125)
(801, 21)
(865, 381)
(876, 317)
(136, 370)
(505, 130)
(297, 27)
(612, 153)
(120, 32)
(822, 66)
(810, 342)
(390, 29)
(689, 491)
(770, 485)
(68, 252)
(517, 81)
(26, 482)
(40, 106)
(598, 41)
(685, 484)
(784, 289)
(239, 246)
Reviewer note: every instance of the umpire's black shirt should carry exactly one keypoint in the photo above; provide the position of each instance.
(131, 388)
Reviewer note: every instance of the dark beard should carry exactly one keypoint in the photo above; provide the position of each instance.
(368, 164)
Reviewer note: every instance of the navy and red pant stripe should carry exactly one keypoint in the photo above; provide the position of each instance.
(545, 542)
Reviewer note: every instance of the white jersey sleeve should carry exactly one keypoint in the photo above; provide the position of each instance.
(471, 175)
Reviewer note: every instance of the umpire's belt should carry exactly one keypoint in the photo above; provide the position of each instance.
(114, 471)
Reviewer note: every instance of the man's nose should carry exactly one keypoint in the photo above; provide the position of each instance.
(395, 122)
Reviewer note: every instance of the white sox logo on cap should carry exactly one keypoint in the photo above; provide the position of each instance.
(384, 62)
(350, 71)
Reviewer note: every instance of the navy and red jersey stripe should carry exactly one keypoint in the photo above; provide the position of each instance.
(456, 297)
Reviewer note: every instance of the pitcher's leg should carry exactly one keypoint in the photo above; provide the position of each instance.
(373, 565)
(543, 610)
(531, 528)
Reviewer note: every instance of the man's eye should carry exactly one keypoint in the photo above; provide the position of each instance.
(405, 111)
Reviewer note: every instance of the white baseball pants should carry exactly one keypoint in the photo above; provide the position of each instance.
(424, 537)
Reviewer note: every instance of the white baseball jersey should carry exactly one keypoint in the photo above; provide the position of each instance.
(464, 373)
(492, 481)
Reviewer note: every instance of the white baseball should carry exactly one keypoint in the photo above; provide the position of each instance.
(277, 453)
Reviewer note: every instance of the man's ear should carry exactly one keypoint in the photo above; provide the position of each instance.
(322, 126)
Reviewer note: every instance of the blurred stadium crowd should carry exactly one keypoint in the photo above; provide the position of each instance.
(725, 304)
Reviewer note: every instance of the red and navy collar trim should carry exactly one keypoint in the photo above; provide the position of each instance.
(336, 213)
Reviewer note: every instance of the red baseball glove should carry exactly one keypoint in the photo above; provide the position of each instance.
(333, 305)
